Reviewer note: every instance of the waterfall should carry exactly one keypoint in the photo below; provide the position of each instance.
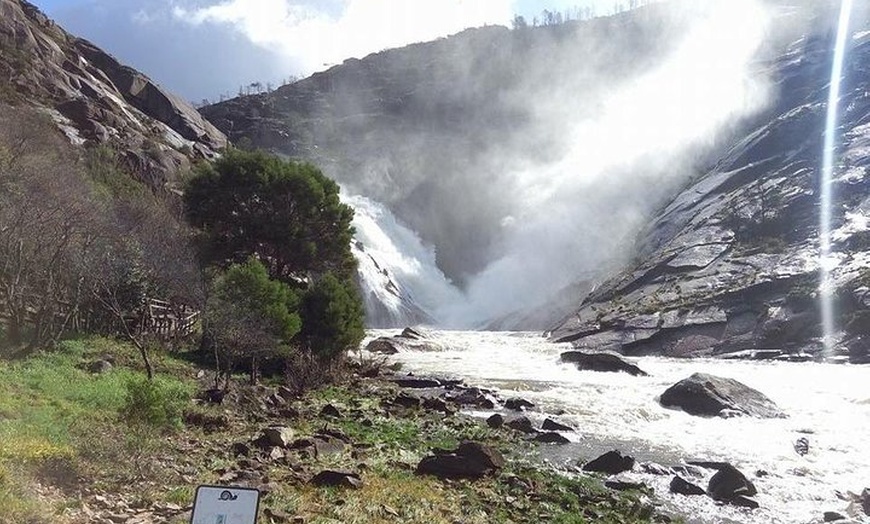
(401, 282)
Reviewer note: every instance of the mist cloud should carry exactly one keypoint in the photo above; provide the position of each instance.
(577, 214)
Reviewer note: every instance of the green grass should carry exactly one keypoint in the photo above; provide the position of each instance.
(55, 416)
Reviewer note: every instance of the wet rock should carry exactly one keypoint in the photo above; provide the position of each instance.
(708, 464)
(551, 425)
(620, 483)
(383, 346)
(684, 487)
(551, 437)
(438, 404)
(495, 421)
(709, 395)
(743, 501)
(606, 362)
(474, 397)
(517, 404)
(470, 460)
(522, 424)
(406, 400)
(337, 478)
(654, 469)
(416, 382)
(729, 483)
(612, 462)
(412, 334)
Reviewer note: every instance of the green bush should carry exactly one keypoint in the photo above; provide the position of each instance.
(156, 403)
(332, 317)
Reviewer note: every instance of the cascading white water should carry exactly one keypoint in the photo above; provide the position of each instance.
(829, 404)
(827, 261)
(573, 214)
(399, 274)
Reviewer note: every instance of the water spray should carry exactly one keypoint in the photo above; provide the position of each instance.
(827, 262)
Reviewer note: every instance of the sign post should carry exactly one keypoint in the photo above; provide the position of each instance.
(225, 505)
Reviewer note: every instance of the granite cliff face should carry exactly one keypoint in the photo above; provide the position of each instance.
(732, 263)
(95, 99)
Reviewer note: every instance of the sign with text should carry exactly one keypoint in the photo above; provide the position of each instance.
(225, 505)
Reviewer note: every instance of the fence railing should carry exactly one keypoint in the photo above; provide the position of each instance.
(164, 319)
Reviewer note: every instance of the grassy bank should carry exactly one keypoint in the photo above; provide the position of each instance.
(72, 450)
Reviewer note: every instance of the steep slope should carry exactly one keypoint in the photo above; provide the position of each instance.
(440, 123)
(95, 99)
(732, 262)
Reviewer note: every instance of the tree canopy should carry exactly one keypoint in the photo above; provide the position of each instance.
(332, 316)
(286, 213)
(276, 223)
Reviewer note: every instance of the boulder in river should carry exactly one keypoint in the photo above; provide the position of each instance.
(729, 483)
(517, 404)
(413, 382)
(608, 362)
(521, 424)
(708, 396)
(383, 346)
(612, 462)
(551, 437)
(684, 487)
(551, 425)
(495, 421)
(474, 397)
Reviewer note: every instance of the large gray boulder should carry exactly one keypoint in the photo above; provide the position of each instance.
(608, 362)
(470, 460)
(710, 396)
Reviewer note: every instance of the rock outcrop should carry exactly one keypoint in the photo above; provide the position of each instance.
(94, 98)
(710, 396)
(731, 263)
(606, 362)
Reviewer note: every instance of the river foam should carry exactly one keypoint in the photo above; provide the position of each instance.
(827, 403)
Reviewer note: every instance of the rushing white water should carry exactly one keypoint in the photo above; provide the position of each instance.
(826, 287)
(399, 273)
(827, 403)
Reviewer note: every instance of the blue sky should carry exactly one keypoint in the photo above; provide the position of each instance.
(208, 48)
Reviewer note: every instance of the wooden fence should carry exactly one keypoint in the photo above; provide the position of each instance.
(164, 319)
(168, 320)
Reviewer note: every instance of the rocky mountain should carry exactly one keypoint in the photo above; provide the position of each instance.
(437, 122)
(95, 99)
(732, 263)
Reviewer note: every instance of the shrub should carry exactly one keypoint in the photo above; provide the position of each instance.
(156, 403)
(332, 317)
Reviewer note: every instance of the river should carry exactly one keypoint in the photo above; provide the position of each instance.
(829, 404)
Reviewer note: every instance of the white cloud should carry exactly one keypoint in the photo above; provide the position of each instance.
(315, 38)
